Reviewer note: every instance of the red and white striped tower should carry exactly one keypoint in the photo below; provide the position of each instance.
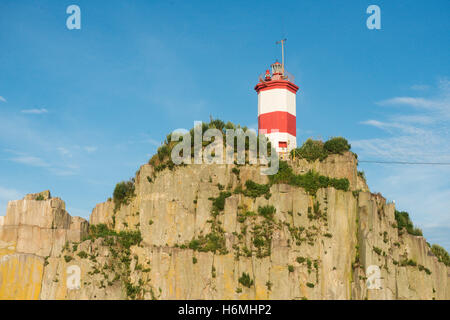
(277, 108)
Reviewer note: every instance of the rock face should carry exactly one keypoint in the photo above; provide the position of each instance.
(31, 232)
(320, 246)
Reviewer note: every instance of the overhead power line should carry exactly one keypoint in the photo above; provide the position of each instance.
(406, 162)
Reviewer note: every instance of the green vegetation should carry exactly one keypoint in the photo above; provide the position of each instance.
(291, 268)
(123, 193)
(403, 221)
(362, 175)
(194, 260)
(132, 291)
(82, 254)
(162, 159)
(267, 212)
(408, 262)
(312, 150)
(219, 203)
(377, 250)
(254, 190)
(124, 238)
(242, 217)
(337, 145)
(40, 197)
(310, 285)
(310, 181)
(423, 268)
(441, 254)
(301, 260)
(119, 244)
(68, 258)
(262, 238)
(213, 241)
(245, 280)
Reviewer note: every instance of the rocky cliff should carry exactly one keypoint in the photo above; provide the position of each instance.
(220, 232)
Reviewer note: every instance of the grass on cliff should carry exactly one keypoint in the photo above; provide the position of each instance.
(310, 181)
(218, 204)
(312, 150)
(441, 254)
(245, 280)
(403, 221)
(253, 190)
(162, 159)
(125, 238)
(119, 244)
(123, 193)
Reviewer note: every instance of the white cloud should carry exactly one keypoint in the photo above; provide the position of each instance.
(31, 161)
(62, 172)
(153, 142)
(413, 135)
(90, 149)
(2, 99)
(433, 109)
(59, 168)
(420, 133)
(420, 87)
(34, 111)
(410, 101)
(64, 152)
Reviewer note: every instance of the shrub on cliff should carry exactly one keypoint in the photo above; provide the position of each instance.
(310, 181)
(123, 192)
(245, 280)
(255, 190)
(124, 238)
(129, 238)
(337, 145)
(267, 211)
(100, 231)
(403, 221)
(162, 159)
(219, 202)
(441, 254)
(312, 150)
(212, 242)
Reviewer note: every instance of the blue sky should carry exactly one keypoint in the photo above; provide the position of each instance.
(81, 110)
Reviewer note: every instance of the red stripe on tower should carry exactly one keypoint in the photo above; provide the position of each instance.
(278, 121)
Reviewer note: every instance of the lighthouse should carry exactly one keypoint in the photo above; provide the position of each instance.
(277, 108)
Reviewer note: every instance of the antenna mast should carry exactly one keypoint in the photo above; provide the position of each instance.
(282, 53)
